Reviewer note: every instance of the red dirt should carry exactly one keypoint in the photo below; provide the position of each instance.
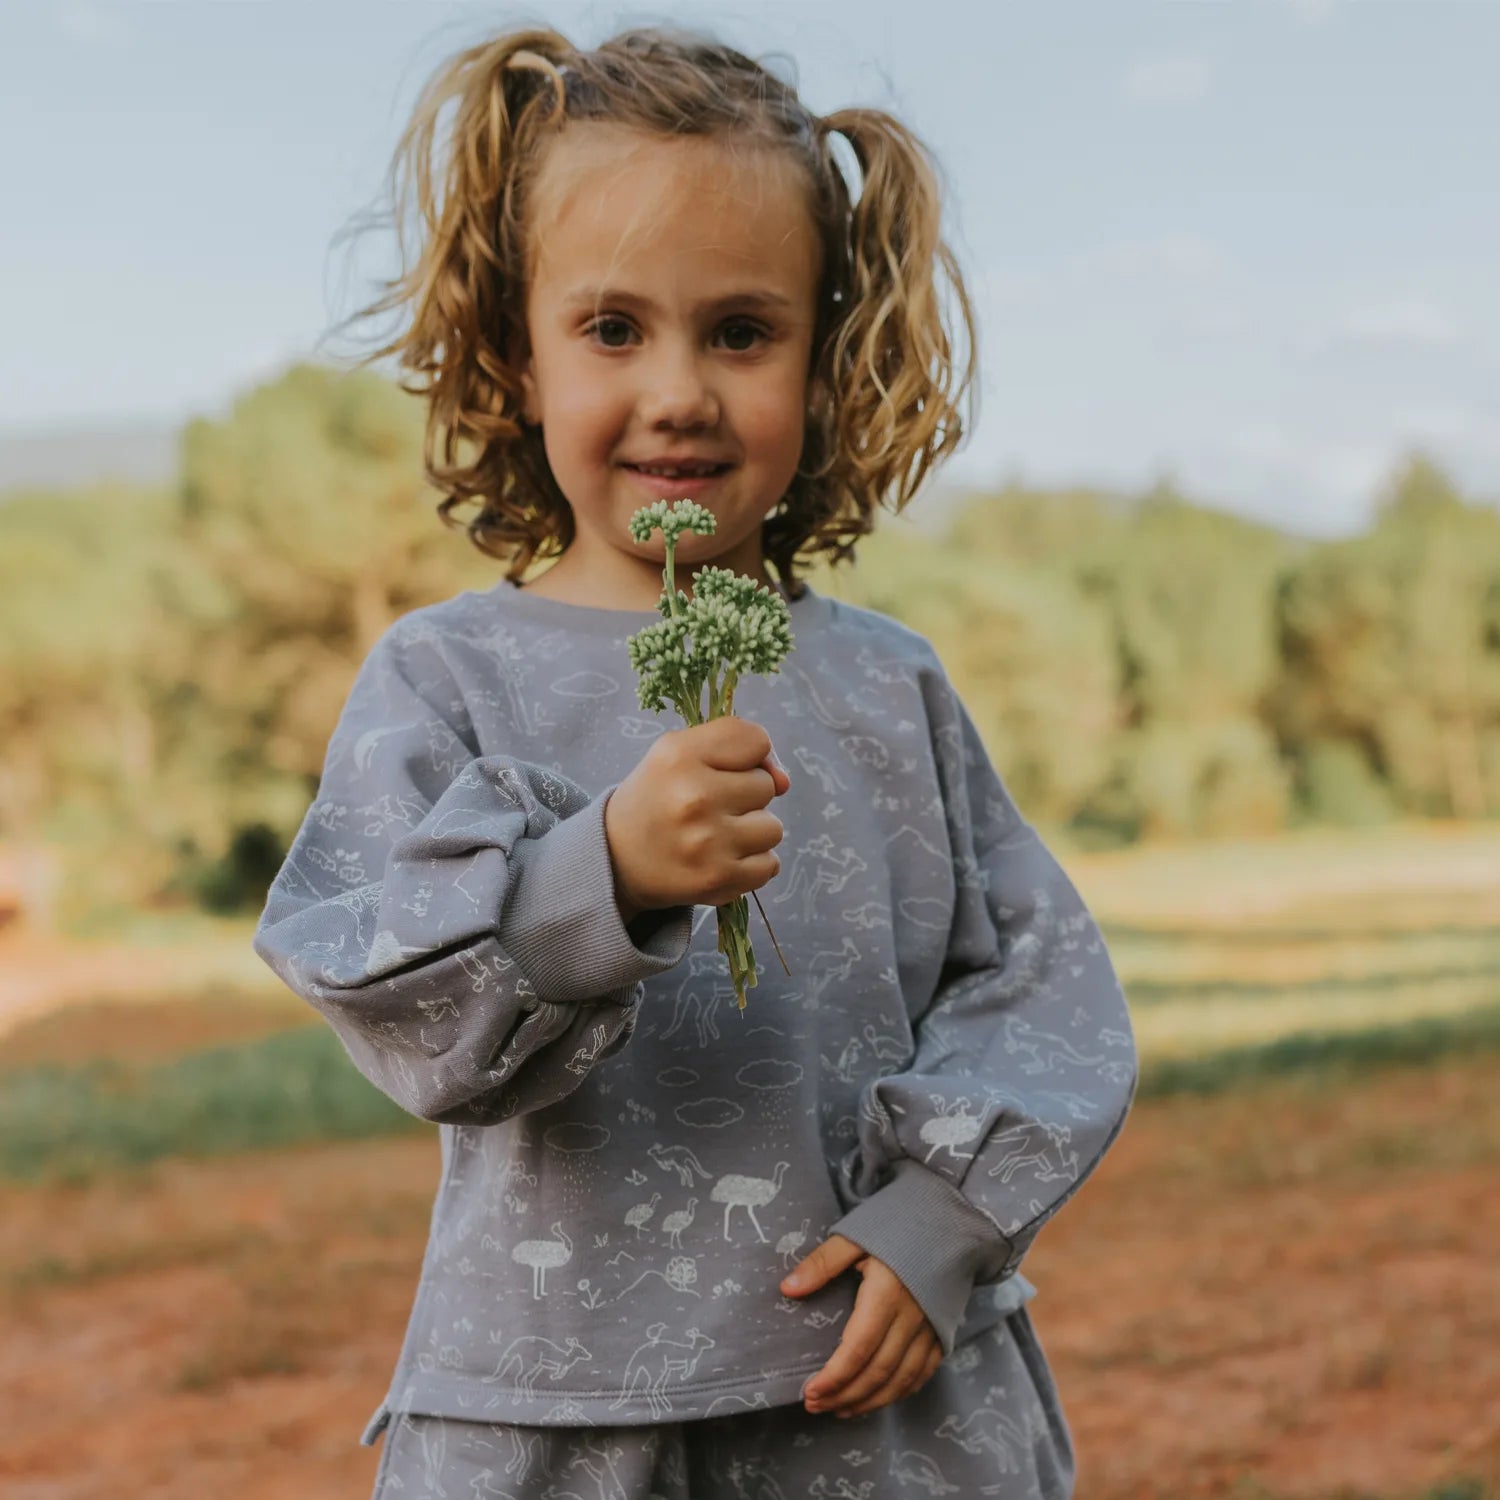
(1277, 1293)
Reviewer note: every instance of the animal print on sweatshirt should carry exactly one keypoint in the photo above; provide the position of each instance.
(629, 1164)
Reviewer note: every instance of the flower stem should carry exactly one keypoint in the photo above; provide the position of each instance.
(733, 916)
(671, 544)
(764, 918)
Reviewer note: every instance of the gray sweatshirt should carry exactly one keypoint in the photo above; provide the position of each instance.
(630, 1164)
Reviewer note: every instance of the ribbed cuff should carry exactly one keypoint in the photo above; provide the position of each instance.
(561, 923)
(932, 1237)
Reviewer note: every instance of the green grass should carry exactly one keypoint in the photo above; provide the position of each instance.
(1208, 992)
(1207, 987)
(1205, 933)
(69, 1122)
(1329, 1054)
(1379, 949)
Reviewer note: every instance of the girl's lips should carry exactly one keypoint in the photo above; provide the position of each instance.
(683, 487)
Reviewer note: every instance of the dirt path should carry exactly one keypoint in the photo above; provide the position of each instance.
(42, 973)
(1289, 1287)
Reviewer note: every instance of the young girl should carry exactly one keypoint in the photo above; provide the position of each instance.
(646, 279)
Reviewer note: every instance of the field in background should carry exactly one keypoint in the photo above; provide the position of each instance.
(1218, 945)
(1226, 944)
(1288, 1288)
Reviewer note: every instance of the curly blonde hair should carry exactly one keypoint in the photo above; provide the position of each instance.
(890, 387)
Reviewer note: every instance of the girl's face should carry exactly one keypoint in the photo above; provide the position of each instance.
(669, 318)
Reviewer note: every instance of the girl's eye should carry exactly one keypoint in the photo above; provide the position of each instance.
(613, 333)
(739, 336)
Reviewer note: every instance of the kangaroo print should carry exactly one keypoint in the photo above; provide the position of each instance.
(629, 1164)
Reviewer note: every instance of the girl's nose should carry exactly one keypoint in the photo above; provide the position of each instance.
(679, 397)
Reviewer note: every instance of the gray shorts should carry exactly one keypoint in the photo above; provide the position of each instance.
(988, 1422)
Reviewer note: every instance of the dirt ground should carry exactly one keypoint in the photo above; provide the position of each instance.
(1288, 1292)
(43, 973)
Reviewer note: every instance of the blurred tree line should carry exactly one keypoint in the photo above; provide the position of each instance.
(173, 662)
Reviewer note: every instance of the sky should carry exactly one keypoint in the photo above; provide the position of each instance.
(1245, 245)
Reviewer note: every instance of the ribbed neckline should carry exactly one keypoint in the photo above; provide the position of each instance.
(587, 620)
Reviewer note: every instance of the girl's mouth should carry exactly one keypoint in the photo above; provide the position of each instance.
(677, 481)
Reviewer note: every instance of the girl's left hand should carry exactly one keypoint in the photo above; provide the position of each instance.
(889, 1349)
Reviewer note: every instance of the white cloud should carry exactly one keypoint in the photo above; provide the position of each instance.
(1396, 325)
(1177, 256)
(254, 364)
(1210, 319)
(92, 25)
(1321, 485)
(1327, 483)
(1312, 12)
(1004, 287)
(1441, 421)
(1194, 279)
(1168, 80)
(1452, 428)
(1402, 323)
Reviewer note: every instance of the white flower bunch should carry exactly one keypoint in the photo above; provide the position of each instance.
(732, 625)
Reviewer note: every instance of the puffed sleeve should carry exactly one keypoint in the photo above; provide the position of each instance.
(452, 915)
(1024, 1064)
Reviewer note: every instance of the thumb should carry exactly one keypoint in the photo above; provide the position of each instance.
(779, 774)
(835, 1255)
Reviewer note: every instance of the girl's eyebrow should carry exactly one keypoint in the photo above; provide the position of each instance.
(586, 299)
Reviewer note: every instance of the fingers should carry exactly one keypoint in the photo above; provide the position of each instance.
(861, 1339)
(870, 1325)
(889, 1348)
(747, 790)
(730, 755)
(780, 776)
(877, 1371)
(756, 832)
(729, 743)
(823, 1262)
(735, 745)
(740, 792)
(780, 781)
(737, 792)
(923, 1356)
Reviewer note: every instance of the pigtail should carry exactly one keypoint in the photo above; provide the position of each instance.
(466, 284)
(898, 389)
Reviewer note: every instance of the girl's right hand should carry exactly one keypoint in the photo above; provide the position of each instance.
(689, 826)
